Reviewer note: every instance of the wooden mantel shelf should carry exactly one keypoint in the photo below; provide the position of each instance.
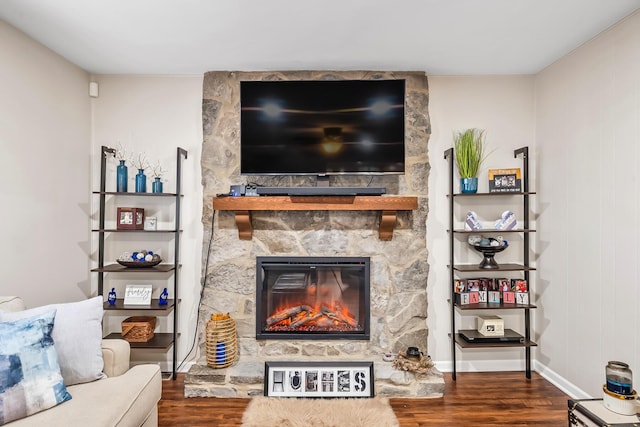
(387, 205)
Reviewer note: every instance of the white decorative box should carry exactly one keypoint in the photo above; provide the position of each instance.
(491, 326)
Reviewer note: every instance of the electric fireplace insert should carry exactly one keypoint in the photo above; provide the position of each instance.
(312, 298)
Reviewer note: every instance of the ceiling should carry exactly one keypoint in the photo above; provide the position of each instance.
(440, 37)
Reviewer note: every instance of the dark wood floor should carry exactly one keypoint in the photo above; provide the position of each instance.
(475, 399)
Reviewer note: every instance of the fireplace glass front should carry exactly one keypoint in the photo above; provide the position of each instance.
(312, 298)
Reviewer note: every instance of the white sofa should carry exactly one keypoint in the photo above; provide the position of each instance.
(126, 397)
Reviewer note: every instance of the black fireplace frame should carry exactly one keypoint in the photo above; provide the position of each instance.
(365, 317)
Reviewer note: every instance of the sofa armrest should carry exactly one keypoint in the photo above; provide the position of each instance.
(11, 304)
(116, 355)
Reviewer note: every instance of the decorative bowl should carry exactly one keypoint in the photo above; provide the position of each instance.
(488, 261)
(141, 264)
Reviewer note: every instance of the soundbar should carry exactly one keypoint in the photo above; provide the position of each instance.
(321, 191)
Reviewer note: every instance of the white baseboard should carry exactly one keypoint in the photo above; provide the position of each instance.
(481, 366)
(515, 365)
(560, 382)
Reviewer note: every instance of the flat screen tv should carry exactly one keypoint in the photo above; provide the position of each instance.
(322, 127)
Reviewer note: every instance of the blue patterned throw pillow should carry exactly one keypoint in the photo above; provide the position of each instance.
(30, 379)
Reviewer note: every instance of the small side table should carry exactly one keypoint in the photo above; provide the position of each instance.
(592, 412)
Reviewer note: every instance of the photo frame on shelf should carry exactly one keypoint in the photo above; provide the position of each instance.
(138, 295)
(505, 180)
(150, 223)
(318, 379)
(130, 219)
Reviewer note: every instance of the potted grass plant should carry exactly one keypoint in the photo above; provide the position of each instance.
(470, 149)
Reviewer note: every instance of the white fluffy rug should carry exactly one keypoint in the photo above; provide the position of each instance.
(290, 412)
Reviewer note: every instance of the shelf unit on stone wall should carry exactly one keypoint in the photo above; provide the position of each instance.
(459, 270)
(162, 340)
(387, 205)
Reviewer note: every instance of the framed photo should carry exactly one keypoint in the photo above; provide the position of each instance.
(505, 180)
(460, 285)
(519, 285)
(138, 294)
(318, 379)
(473, 285)
(150, 223)
(130, 219)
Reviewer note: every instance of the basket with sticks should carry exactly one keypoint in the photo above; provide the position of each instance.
(221, 343)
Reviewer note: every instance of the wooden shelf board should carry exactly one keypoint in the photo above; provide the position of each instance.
(117, 268)
(131, 193)
(159, 341)
(494, 306)
(518, 230)
(464, 344)
(155, 306)
(515, 193)
(503, 267)
(387, 205)
(113, 230)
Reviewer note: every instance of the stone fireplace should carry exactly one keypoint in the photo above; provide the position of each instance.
(398, 269)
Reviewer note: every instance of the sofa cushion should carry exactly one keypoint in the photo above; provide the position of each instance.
(127, 400)
(30, 379)
(77, 334)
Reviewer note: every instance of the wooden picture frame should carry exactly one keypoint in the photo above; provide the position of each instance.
(318, 379)
(130, 219)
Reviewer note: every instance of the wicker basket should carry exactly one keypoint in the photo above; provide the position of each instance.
(138, 328)
(221, 345)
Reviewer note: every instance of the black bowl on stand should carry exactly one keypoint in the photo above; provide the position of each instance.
(488, 262)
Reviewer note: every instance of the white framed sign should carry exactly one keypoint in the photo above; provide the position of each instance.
(318, 379)
(138, 294)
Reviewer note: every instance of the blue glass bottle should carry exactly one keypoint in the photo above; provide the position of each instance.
(121, 177)
(163, 297)
(156, 185)
(112, 297)
(141, 182)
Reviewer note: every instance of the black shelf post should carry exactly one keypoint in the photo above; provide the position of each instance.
(524, 152)
(176, 258)
(104, 151)
(448, 154)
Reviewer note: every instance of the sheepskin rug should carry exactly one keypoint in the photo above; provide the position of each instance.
(290, 412)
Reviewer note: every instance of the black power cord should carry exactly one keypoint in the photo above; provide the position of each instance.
(204, 281)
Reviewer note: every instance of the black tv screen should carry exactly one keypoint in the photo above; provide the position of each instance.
(322, 127)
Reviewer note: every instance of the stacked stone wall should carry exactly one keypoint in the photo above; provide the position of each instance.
(399, 267)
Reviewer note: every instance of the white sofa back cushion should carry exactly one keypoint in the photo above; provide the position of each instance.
(77, 336)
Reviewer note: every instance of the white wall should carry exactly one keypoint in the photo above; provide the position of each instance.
(154, 115)
(503, 106)
(588, 127)
(45, 145)
(583, 136)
